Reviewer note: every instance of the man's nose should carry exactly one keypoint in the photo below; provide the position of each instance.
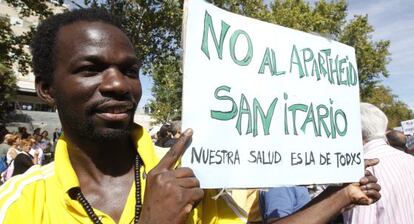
(114, 83)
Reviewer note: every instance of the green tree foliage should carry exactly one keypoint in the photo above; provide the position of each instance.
(395, 109)
(168, 90)
(14, 51)
(251, 8)
(323, 18)
(32, 7)
(153, 26)
(7, 88)
(14, 48)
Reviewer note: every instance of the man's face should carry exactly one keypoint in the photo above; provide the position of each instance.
(96, 86)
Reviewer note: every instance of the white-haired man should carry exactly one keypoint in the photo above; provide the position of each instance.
(395, 174)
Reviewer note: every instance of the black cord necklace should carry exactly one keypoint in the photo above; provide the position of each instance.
(89, 210)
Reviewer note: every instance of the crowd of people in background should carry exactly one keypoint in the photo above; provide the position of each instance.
(21, 150)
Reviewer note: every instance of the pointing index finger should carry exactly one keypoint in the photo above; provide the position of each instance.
(176, 151)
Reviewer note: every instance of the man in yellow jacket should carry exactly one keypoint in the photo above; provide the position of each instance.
(105, 168)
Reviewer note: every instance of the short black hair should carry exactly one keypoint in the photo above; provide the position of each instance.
(44, 39)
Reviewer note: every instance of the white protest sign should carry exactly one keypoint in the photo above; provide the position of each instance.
(268, 105)
(408, 127)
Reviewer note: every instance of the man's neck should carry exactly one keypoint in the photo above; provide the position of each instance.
(96, 160)
(105, 170)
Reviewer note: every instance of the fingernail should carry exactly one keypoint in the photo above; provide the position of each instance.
(188, 208)
(189, 131)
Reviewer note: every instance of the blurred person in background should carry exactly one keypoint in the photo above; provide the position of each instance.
(22, 131)
(47, 145)
(175, 129)
(164, 136)
(45, 140)
(278, 202)
(13, 141)
(36, 131)
(56, 135)
(397, 139)
(36, 148)
(24, 160)
(395, 174)
(163, 140)
(3, 132)
(4, 147)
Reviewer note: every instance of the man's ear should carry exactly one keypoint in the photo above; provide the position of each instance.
(45, 91)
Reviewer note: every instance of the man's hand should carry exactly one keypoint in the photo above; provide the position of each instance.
(170, 193)
(367, 190)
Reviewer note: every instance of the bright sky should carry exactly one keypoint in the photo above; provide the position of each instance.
(392, 20)
(147, 84)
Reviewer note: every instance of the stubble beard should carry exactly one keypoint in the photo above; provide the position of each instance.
(87, 130)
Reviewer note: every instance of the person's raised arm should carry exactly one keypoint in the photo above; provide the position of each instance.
(333, 200)
(171, 193)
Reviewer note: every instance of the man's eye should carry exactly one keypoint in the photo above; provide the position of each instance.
(132, 72)
(88, 70)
